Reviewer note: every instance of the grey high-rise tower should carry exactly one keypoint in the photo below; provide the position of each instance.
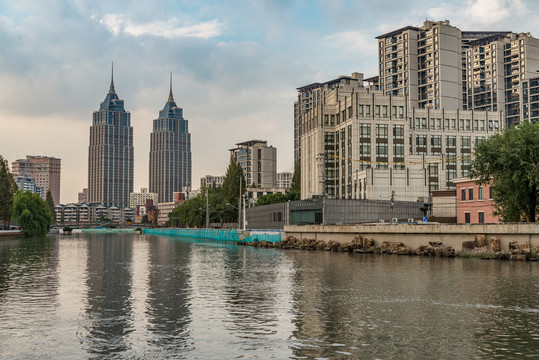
(110, 154)
(170, 152)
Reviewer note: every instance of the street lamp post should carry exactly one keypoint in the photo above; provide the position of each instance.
(239, 208)
(207, 209)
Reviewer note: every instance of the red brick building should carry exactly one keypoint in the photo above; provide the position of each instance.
(475, 203)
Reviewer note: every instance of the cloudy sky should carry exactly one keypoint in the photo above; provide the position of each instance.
(236, 66)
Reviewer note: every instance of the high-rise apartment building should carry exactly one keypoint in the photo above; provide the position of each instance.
(45, 171)
(258, 161)
(498, 68)
(170, 152)
(424, 64)
(110, 153)
(439, 66)
(284, 180)
(363, 144)
(210, 180)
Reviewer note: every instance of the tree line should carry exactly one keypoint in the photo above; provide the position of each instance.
(30, 211)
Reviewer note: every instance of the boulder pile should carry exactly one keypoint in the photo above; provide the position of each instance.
(480, 247)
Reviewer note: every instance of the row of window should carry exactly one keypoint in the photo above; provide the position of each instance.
(480, 217)
(471, 191)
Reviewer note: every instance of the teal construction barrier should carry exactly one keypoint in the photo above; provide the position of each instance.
(217, 234)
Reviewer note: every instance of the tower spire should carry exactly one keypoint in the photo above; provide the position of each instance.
(111, 90)
(170, 97)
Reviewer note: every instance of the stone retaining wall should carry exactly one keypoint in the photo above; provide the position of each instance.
(414, 236)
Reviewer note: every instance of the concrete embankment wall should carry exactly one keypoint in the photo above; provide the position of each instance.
(414, 236)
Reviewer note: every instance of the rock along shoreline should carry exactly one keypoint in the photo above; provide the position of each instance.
(365, 245)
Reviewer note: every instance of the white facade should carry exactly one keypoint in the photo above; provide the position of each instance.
(284, 180)
(141, 197)
(209, 180)
(362, 144)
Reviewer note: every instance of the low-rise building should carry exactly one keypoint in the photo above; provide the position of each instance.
(89, 213)
(475, 203)
(254, 193)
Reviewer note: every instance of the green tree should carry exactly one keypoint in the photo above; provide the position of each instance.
(511, 160)
(277, 198)
(50, 204)
(231, 184)
(296, 178)
(31, 213)
(8, 187)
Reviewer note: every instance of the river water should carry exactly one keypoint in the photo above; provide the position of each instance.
(156, 297)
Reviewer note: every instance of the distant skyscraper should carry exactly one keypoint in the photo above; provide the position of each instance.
(170, 152)
(110, 154)
(45, 171)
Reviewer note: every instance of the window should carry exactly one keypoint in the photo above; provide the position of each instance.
(470, 194)
(490, 194)
(436, 141)
(463, 195)
(381, 131)
(480, 193)
(398, 131)
(465, 142)
(367, 110)
(365, 130)
(481, 217)
(377, 110)
(381, 150)
(421, 140)
(360, 110)
(467, 217)
(398, 150)
(365, 149)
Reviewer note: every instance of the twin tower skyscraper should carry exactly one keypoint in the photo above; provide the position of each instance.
(110, 153)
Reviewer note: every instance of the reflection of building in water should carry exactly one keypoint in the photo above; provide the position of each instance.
(109, 310)
(169, 292)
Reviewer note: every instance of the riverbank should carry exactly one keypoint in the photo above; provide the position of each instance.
(10, 234)
(364, 245)
(497, 241)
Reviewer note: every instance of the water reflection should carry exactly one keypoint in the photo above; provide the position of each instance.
(122, 296)
(28, 293)
(109, 316)
(169, 297)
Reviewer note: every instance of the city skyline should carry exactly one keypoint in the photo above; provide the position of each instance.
(236, 75)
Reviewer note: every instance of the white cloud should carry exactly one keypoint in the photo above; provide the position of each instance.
(478, 13)
(171, 28)
(351, 43)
